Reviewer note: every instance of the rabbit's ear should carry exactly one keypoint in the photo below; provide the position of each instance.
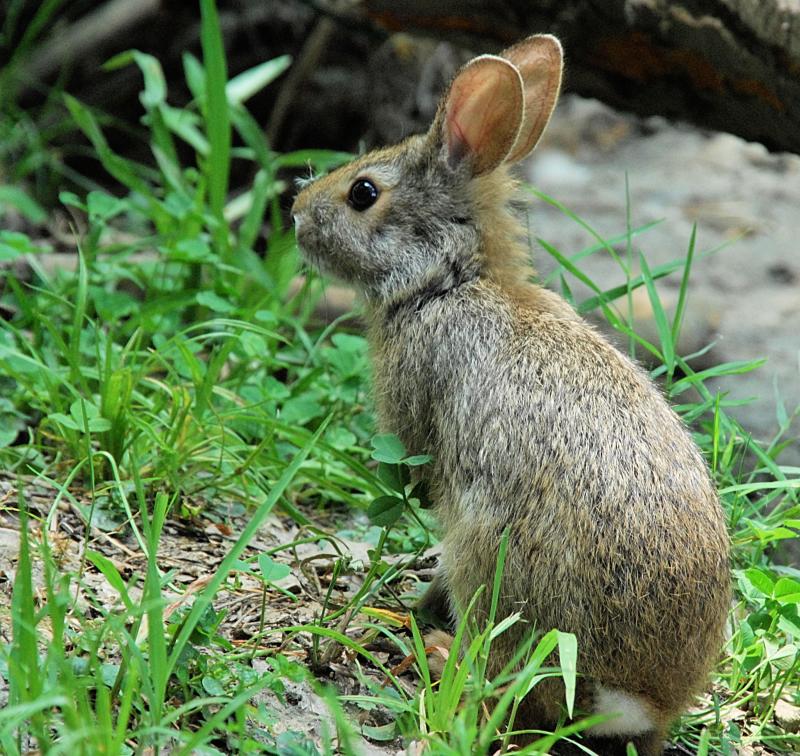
(480, 116)
(539, 61)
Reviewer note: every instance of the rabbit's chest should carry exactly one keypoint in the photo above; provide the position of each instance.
(408, 393)
(426, 369)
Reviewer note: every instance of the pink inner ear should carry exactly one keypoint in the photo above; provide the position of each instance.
(483, 113)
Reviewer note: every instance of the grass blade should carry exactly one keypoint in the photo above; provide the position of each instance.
(244, 85)
(677, 321)
(217, 117)
(568, 656)
(660, 317)
(26, 676)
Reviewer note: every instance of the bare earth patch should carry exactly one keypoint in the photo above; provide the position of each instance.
(257, 614)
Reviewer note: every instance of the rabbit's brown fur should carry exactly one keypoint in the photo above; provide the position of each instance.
(533, 419)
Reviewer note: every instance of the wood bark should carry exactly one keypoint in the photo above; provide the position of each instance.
(731, 65)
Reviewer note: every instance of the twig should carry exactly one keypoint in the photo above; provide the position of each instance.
(306, 62)
(89, 32)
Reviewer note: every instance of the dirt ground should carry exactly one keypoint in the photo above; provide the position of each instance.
(257, 616)
(255, 612)
(746, 297)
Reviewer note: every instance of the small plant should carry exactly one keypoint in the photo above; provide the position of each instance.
(164, 360)
(102, 705)
(459, 709)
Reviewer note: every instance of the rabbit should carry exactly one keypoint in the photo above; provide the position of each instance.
(534, 421)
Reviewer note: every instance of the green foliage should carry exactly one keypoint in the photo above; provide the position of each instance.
(449, 713)
(65, 703)
(30, 169)
(161, 354)
(394, 470)
(174, 370)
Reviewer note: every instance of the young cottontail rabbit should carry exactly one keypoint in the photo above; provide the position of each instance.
(533, 419)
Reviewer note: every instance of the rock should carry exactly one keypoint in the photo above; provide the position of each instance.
(787, 716)
(557, 168)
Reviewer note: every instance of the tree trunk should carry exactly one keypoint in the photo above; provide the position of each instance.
(731, 65)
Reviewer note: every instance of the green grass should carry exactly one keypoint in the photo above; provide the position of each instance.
(173, 375)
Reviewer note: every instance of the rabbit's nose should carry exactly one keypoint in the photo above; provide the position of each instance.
(297, 205)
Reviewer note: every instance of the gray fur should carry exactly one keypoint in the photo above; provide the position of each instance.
(536, 422)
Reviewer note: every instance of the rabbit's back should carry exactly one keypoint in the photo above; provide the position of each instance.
(537, 423)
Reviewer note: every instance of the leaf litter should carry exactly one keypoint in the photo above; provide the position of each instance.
(308, 583)
(254, 611)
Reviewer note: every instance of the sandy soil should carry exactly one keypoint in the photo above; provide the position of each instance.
(745, 298)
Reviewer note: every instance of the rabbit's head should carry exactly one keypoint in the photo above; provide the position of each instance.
(422, 214)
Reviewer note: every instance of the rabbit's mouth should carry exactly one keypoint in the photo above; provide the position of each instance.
(309, 256)
(309, 250)
(304, 236)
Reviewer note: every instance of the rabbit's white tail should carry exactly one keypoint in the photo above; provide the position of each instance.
(630, 714)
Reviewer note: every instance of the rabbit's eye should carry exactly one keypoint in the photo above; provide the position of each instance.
(363, 194)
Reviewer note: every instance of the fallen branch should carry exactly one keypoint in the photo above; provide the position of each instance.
(731, 65)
